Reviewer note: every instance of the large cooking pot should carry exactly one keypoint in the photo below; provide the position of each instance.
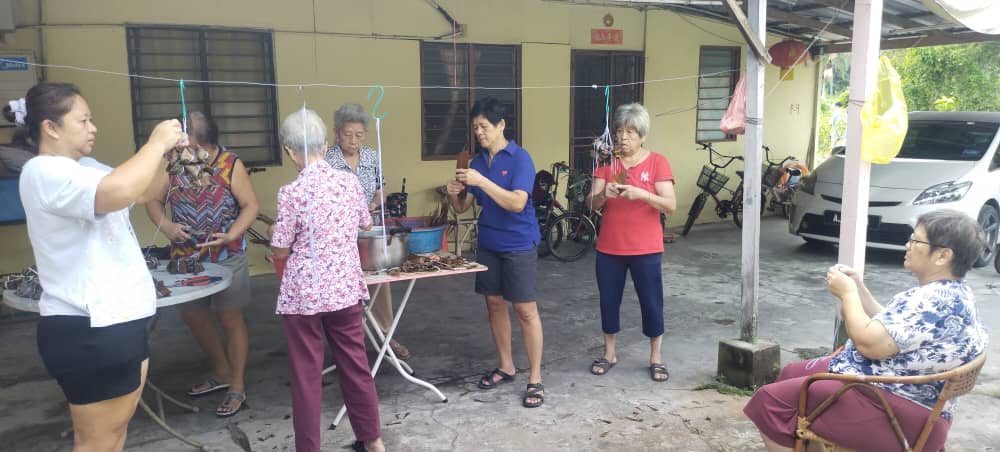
(380, 251)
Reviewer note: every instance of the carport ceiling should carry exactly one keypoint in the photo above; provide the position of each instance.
(905, 23)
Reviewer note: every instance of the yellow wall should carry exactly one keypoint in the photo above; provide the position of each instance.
(672, 49)
(378, 41)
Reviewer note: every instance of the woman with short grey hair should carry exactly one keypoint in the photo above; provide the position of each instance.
(634, 116)
(350, 112)
(322, 287)
(350, 127)
(303, 130)
(634, 190)
(928, 329)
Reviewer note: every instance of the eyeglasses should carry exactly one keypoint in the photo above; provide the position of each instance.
(913, 240)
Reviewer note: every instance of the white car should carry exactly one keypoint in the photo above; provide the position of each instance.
(948, 160)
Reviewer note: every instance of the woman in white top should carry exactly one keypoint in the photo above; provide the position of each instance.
(97, 292)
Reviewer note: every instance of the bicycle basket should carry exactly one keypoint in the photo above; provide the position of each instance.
(711, 180)
(772, 174)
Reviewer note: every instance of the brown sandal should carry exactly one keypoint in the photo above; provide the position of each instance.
(658, 372)
(534, 391)
(603, 364)
(487, 382)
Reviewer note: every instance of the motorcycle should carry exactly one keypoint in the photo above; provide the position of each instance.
(784, 190)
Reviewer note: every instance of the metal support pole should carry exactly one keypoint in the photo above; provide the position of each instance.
(757, 12)
(854, 216)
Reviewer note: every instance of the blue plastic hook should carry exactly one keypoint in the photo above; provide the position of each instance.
(378, 101)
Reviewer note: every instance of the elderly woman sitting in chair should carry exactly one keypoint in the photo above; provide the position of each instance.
(931, 328)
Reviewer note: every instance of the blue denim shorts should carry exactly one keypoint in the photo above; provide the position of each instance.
(511, 274)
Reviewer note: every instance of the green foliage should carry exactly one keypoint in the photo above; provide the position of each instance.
(945, 103)
(968, 74)
(725, 388)
(962, 77)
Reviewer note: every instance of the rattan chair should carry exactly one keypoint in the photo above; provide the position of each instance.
(958, 381)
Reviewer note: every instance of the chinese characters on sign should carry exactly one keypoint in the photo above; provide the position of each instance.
(605, 36)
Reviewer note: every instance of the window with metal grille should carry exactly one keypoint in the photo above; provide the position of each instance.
(718, 71)
(246, 113)
(446, 70)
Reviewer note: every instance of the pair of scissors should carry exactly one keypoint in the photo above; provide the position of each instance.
(194, 281)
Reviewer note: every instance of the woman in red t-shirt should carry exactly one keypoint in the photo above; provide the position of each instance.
(634, 190)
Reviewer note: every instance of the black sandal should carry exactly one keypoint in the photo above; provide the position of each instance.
(535, 391)
(658, 372)
(487, 382)
(603, 364)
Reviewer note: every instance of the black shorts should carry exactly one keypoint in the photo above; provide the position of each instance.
(511, 274)
(93, 364)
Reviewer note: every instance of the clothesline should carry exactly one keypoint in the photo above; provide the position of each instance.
(337, 85)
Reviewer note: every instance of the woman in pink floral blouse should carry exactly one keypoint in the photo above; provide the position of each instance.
(319, 215)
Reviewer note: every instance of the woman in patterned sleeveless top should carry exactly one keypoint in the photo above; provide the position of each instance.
(209, 222)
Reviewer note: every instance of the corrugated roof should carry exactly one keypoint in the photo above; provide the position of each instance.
(905, 23)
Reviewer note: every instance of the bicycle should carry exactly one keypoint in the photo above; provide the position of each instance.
(712, 181)
(545, 203)
(571, 235)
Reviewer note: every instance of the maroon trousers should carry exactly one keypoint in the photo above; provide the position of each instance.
(344, 331)
(856, 421)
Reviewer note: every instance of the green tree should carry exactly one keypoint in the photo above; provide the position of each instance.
(967, 75)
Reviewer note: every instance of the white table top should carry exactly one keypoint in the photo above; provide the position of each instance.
(178, 295)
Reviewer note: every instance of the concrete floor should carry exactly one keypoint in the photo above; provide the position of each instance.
(446, 329)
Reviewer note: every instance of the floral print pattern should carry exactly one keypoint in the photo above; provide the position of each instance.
(319, 215)
(936, 327)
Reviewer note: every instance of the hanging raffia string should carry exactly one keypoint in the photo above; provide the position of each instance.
(605, 142)
(170, 187)
(184, 112)
(385, 230)
(309, 197)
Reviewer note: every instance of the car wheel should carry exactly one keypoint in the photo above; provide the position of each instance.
(989, 221)
(813, 243)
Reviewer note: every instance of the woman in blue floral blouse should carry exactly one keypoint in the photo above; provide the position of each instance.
(931, 328)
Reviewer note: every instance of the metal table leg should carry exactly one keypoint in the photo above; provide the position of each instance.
(385, 349)
(163, 424)
(159, 416)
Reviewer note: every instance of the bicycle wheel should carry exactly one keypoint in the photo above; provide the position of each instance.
(576, 237)
(543, 245)
(553, 233)
(737, 206)
(699, 203)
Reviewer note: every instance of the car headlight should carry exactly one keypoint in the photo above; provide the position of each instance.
(807, 184)
(946, 192)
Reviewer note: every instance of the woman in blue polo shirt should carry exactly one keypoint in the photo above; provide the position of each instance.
(499, 179)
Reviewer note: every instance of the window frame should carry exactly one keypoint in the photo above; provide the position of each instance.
(265, 38)
(735, 59)
(471, 98)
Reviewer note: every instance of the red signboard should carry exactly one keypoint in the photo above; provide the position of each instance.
(605, 36)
